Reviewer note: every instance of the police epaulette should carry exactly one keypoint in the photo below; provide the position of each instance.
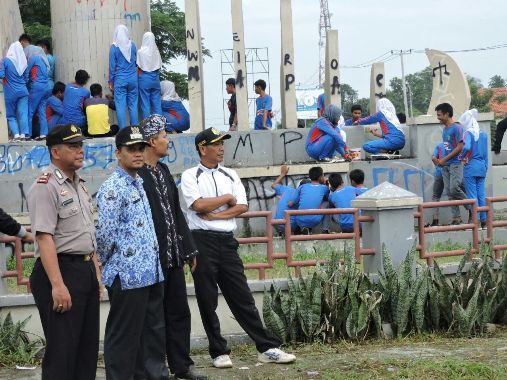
(44, 178)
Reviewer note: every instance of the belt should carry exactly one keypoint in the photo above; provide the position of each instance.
(70, 257)
(210, 232)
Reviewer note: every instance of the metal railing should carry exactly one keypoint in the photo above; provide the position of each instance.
(19, 256)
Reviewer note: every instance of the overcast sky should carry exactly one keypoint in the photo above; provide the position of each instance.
(367, 29)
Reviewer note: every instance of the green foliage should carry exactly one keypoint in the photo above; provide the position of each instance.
(501, 98)
(496, 81)
(480, 96)
(421, 84)
(340, 301)
(15, 346)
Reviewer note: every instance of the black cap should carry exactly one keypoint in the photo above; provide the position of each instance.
(64, 134)
(129, 136)
(210, 136)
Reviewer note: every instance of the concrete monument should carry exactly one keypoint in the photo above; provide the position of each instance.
(238, 56)
(332, 71)
(449, 83)
(377, 85)
(10, 29)
(194, 64)
(287, 76)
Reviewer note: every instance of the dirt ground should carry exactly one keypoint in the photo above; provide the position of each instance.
(418, 357)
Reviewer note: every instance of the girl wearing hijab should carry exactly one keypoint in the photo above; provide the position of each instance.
(149, 64)
(178, 119)
(123, 76)
(392, 137)
(15, 76)
(38, 85)
(325, 138)
(475, 158)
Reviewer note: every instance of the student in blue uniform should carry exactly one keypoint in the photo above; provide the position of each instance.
(38, 89)
(391, 138)
(54, 105)
(452, 168)
(321, 104)
(287, 194)
(438, 181)
(342, 196)
(149, 63)
(263, 105)
(46, 47)
(325, 139)
(357, 111)
(475, 158)
(123, 76)
(73, 100)
(310, 196)
(178, 119)
(14, 75)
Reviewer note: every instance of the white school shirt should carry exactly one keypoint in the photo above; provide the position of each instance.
(202, 182)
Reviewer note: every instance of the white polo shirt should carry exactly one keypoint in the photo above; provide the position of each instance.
(201, 182)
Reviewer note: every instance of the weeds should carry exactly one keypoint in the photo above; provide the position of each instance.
(15, 345)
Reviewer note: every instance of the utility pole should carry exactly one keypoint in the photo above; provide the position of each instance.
(324, 26)
(403, 82)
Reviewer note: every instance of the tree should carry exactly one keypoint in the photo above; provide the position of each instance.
(36, 18)
(421, 85)
(496, 81)
(480, 95)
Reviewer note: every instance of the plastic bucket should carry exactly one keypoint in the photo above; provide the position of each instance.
(355, 154)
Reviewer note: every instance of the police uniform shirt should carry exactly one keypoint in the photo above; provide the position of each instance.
(202, 182)
(63, 208)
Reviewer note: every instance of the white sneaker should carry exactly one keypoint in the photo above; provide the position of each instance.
(222, 361)
(275, 355)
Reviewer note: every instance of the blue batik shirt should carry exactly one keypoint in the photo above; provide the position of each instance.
(126, 241)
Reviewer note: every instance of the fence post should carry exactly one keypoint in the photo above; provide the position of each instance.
(392, 209)
(3, 268)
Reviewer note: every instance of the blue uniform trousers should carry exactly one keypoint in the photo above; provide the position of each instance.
(16, 105)
(125, 95)
(324, 147)
(475, 189)
(37, 100)
(386, 143)
(149, 95)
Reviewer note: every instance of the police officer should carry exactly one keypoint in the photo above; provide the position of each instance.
(65, 280)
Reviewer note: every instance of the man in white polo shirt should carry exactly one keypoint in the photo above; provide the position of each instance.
(215, 196)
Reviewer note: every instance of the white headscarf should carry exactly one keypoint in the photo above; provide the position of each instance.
(17, 56)
(341, 124)
(148, 56)
(32, 50)
(168, 91)
(469, 122)
(122, 41)
(385, 106)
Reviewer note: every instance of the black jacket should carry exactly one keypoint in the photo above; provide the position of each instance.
(8, 224)
(186, 243)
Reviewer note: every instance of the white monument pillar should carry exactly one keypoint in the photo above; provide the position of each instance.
(10, 30)
(377, 85)
(82, 34)
(194, 64)
(450, 85)
(287, 77)
(332, 71)
(239, 59)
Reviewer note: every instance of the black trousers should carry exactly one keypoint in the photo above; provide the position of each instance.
(72, 338)
(177, 321)
(500, 130)
(135, 333)
(219, 264)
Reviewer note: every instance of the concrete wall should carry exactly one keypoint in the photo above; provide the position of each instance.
(255, 154)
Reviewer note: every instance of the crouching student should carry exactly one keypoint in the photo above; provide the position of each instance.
(54, 105)
(475, 158)
(325, 139)
(178, 119)
(391, 137)
(310, 196)
(97, 113)
(287, 194)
